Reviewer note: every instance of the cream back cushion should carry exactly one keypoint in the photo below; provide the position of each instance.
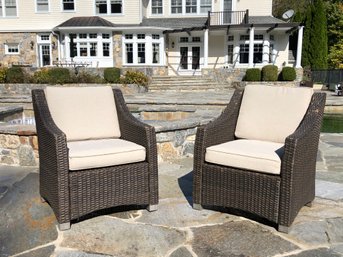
(271, 113)
(84, 112)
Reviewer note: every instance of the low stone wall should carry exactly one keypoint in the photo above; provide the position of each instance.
(19, 144)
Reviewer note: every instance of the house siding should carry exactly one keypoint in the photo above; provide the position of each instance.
(256, 8)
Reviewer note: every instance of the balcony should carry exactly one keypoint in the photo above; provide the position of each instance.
(228, 18)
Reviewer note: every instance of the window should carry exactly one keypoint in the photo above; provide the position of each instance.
(271, 37)
(230, 38)
(10, 8)
(191, 6)
(12, 48)
(1, 9)
(128, 36)
(205, 6)
(83, 35)
(42, 5)
(83, 49)
(108, 6)
(44, 38)
(195, 39)
(155, 36)
(258, 37)
(141, 52)
(68, 5)
(157, 6)
(230, 54)
(244, 37)
(93, 35)
(258, 52)
(183, 39)
(106, 36)
(73, 45)
(176, 6)
(155, 53)
(129, 53)
(105, 49)
(141, 36)
(93, 49)
(244, 53)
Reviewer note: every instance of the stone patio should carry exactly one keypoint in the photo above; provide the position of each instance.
(28, 227)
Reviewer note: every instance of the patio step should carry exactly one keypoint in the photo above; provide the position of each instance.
(184, 84)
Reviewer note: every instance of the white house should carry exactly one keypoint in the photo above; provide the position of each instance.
(172, 37)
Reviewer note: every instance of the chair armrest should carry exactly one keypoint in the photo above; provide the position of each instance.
(53, 157)
(133, 130)
(221, 130)
(299, 161)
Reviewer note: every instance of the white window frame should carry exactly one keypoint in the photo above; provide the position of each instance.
(36, 6)
(3, 12)
(9, 45)
(62, 6)
(149, 40)
(157, 7)
(108, 3)
(184, 12)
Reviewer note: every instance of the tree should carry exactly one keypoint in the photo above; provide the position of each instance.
(306, 53)
(319, 39)
(336, 56)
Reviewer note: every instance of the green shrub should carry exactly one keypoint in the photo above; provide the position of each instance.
(135, 77)
(269, 73)
(3, 72)
(112, 75)
(41, 76)
(253, 74)
(288, 74)
(59, 76)
(86, 77)
(15, 75)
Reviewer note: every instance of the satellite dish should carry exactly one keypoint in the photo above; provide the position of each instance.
(288, 14)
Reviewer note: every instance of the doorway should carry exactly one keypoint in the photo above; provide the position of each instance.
(190, 57)
(44, 55)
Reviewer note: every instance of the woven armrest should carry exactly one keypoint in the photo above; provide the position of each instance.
(299, 161)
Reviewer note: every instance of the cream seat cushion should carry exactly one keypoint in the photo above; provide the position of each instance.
(84, 112)
(89, 154)
(271, 113)
(254, 155)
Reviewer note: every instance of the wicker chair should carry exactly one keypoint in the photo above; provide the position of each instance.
(93, 153)
(247, 161)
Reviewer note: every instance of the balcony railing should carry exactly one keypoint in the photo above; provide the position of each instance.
(228, 18)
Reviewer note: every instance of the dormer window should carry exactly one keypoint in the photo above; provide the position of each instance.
(157, 6)
(109, 7)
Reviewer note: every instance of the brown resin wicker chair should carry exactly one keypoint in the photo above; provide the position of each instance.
(259, 155)
(93, 153)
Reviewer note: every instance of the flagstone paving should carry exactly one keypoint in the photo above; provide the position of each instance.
(28, 227)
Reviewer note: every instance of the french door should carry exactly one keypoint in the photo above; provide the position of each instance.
(44, 55)
(190, 57)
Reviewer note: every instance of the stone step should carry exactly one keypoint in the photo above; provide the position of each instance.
(182, 83)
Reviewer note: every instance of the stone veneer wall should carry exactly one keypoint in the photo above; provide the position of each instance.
(227, 76)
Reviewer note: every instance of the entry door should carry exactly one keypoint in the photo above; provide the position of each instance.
(227, 11)
(44, 55)
(190, 57)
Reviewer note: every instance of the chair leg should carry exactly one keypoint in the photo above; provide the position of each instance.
(64, 226)
(309, 204)
(197, 206)
(283, 229)
(152, 207)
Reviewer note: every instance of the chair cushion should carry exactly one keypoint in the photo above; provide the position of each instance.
(254, 155)
(271, 113)
(84, 112)
(90, 154)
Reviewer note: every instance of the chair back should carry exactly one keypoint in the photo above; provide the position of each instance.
(84, 112)
(271, 113)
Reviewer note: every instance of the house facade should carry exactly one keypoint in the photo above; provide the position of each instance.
(175, 37)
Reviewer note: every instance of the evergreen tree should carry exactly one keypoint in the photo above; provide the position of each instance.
(319, 39)
(306, 49)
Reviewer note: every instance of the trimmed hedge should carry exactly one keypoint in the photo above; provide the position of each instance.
(253, 74)
(15, 75)
(112, 75)
(59, 75)
(288, 74)
(270, 73)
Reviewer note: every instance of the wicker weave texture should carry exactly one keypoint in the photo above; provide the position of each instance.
(277, 198)
(72, 194)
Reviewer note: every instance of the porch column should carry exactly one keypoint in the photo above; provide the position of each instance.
(205, 48)
(251, 47)
(299, 47)
(67, 46)
(266, 52)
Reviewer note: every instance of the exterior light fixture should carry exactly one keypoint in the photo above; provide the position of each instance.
(32, 44)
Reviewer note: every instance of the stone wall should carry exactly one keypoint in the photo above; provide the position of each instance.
(19, 150)
(26, 53)
(227, 76)
(149, 71)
